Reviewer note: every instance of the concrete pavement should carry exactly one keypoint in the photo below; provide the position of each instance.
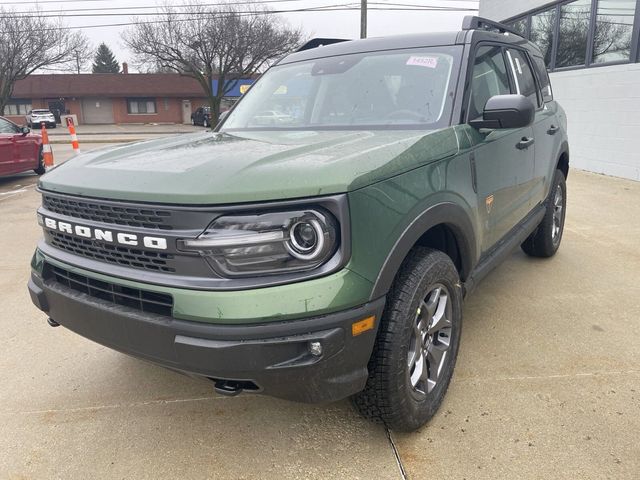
(547, 383)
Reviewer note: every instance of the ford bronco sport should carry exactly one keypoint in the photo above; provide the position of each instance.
(326, 254)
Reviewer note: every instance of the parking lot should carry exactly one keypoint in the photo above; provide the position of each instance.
(547, 383)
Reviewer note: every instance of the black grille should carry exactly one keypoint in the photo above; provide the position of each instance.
(132, 216)
(142, 300)
(116, 254)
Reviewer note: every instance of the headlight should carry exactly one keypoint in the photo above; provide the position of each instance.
(267, 243)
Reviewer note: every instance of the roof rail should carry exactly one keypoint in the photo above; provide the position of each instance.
(320, 42)
(479, 23)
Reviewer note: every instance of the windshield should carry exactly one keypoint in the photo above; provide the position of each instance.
(41, 112)
(392, 89)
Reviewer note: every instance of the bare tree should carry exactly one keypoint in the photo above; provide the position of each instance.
(29, 42)
(81, 53)
(206, 43)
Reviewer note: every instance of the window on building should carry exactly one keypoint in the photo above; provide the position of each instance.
(520, 27)
(17, 108)
(543, 31)
(489, 78)
(543, 77)
(141, 105)
(575, 19)
(614, 30)
(523, 75)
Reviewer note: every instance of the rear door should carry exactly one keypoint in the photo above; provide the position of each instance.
(522, 70)
(8, 163)
(503, 159)
(546, 128)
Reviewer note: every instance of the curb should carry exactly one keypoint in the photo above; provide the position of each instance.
(97, 140)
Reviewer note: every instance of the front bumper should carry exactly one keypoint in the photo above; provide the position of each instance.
(273, 358)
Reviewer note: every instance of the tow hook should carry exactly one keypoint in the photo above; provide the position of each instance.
(52, 322)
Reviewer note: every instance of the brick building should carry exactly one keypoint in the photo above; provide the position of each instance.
(110, 98)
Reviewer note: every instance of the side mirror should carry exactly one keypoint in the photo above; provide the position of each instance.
(25, 130)
(506, 111)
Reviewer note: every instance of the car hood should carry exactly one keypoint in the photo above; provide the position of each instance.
(215, 168)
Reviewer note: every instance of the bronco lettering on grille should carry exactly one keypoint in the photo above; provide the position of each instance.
(108, 236)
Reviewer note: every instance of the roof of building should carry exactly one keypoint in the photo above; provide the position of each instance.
(107, 85)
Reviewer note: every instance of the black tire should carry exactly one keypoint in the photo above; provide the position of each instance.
(389, 395)
(205, 123)
(41, 169)
(545, 240)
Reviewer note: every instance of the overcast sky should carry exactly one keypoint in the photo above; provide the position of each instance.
(342, 24)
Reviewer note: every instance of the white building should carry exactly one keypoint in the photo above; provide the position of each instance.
(592, 48)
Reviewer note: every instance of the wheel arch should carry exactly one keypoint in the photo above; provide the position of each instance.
(445, 227)
(563, 159)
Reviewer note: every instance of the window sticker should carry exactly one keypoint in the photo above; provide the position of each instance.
(518, 66)
(428, 62)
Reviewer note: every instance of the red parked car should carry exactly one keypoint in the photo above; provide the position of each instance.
(20, 150)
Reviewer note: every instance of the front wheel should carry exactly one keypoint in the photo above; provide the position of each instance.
(417, 344)
(545, 240)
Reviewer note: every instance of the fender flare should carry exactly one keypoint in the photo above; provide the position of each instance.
(447, 213)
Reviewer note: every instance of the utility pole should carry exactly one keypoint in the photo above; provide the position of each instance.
(363, 19)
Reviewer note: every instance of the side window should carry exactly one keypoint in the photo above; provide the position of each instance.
(545, 83)
(523, 75)
(7, 127)
(489, 78)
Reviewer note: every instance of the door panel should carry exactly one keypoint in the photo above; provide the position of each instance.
(521, 69)
(25, 150)
(8, 162)
(504, 178)
(503, 169)
(546, 128)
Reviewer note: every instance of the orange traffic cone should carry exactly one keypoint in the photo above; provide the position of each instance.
(47, 153)
(74, 138)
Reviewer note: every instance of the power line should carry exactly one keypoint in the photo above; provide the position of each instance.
(326, 8)
(71, 12)
(269, 12)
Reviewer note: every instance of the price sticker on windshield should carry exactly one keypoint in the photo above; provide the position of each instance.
(428, 62)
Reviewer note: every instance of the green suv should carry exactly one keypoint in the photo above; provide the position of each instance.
(318, 243)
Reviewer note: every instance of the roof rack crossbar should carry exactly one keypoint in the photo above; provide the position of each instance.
(320, 42)
(479, 23)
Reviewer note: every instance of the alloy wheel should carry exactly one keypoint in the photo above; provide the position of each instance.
(558, 207)
(430, 340)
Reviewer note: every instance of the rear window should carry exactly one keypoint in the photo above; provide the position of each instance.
(543, 76)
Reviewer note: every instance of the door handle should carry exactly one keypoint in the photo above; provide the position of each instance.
(553, 130)
(525, 143)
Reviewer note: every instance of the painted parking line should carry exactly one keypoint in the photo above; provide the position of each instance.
(16, 191)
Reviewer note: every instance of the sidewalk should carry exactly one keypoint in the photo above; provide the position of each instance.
(118, 133)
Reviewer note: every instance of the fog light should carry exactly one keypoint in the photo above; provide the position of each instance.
(315, 349)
